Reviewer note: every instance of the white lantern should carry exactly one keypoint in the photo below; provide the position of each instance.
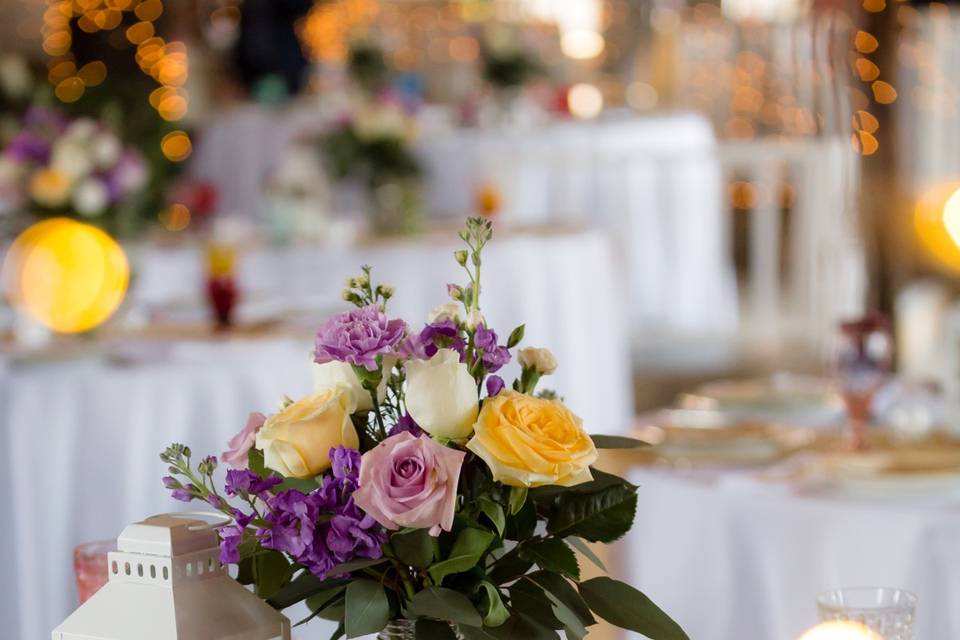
(167, 583)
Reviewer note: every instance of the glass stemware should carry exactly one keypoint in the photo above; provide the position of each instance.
(889, 612)
(863, 363)
(90, 566)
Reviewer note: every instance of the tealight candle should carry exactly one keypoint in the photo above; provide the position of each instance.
(840, 630)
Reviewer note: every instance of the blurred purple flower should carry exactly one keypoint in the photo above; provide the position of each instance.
(244, 481)
(184, 494)
(358, 336)
(406, 424)
(230, 538)
(28, 147)
(494, 355)
(495, 385)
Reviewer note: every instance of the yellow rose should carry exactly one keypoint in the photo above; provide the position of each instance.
(50, 188)
(296, 442)
(529, 442)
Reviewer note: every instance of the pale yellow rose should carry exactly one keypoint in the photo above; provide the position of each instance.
(296, 442)
(50, 188)
(441, 395)
(540, 360)
(530, 442)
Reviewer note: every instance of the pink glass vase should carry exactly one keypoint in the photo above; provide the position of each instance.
(90, 566)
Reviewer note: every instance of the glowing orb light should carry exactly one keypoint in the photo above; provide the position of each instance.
(840, 630)
(936, 219)
(68, 276)
(585, 101)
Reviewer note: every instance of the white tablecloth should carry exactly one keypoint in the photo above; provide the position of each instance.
(654, 184)
(81, 438)
(730, 560)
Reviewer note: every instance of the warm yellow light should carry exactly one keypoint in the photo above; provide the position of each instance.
(865, 42)
(883, 92)
(176, 146)
(585, 101)
(69, 90)
(867, 69)
(176, 217)
(69, 276)
(840, 630)
(581, 44)
(936, 219)
(93, 73)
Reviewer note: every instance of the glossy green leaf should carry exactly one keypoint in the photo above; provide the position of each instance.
(522, 627)
(356, 565)
(367, 608)
(598, 517)
(491, 605)
(552, 554)
(303, 586)
(565, 592)
(271, 571)
(620, 604)
(518, 496)
(414, 548)
(467, 550)
(617, 442)
(584, 549)
(529, 599)
(494, 512)
(444, 604)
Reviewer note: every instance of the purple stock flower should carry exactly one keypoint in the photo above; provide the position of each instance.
(495, 385)
(358, 336)
(353, 534)
(293, 520)
(494, 355)
(244, 481)
(345, 463)
(406, 424)
(230, 538)
(28, 147)
(184, 494)
(170, 482)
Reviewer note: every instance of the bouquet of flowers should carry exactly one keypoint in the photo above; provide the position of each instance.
(417, 494)
(51, 164)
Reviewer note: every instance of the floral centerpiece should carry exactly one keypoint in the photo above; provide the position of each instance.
(54, 165)
(371, 146)
(415, 493)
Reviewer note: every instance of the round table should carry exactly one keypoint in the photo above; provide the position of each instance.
(82, 436)
(730, 558)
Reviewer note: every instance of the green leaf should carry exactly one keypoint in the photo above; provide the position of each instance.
(599, 517)
(367, 608)
(255, 463)
(518, 496)
(601, 480)
(474, 633)
(494, 512)
(467, 550)
(355, 565)
(572, 626)
(444, 604)
(585, 551)
(414, 549)
(426, 629)
(509, 567)
(271, 571)
(529, 599)
(516, 336)
(304, 485)
(522, 627)
(319, 602)
(622, 605)
(492, 604)
(303, 586)
(521, 526)
(338, 632)
(564, 591)
(617, 442)
(552, 554)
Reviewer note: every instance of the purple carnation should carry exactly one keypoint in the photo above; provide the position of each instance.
(293, 520)
(353, 534)
(358, 336)
(230, 538)
(494, 355)
(406, 424)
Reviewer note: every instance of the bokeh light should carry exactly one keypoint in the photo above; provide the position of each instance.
(585, 101)
(176, 217)
(68, 276)
(581, 44)
(935, 213)
(840, 630)
(176, 146)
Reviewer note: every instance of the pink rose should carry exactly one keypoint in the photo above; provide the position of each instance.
(406, 481)
(241, 443)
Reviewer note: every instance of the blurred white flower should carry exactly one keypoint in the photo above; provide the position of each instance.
(381, 121)
(131, 173)
(106, 150)
(446, 311)
(540, 360)
(15, 78)
(91, 197)
(71, 158)
(475, 319)
(82, 130)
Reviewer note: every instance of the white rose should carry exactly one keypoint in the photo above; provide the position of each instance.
(90, 197)
(106, 150)
(540, 360)
(442, 395)
(446, 311)
(71, 159)
(331, 374)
